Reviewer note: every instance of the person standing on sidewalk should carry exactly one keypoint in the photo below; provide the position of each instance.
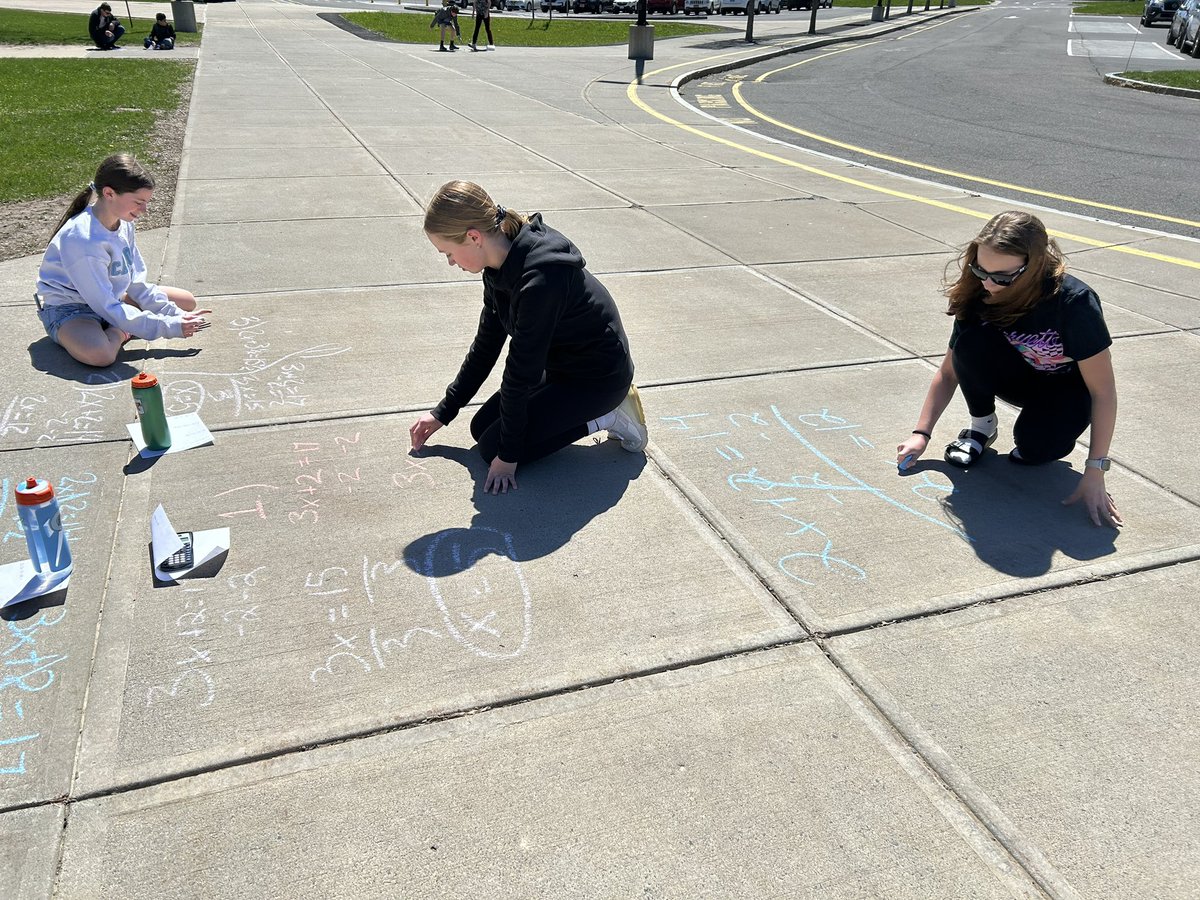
(92, 291)
(483, 16)
(569, 372)
(104, 28)
(1027, 332)
(446, 18)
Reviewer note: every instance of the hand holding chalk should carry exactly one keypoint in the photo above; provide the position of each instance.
(906, 462)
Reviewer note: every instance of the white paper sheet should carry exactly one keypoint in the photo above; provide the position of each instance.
(164, 541)
(21, 581)
(186, 432)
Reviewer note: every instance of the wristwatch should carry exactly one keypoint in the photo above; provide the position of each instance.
(1102, 463)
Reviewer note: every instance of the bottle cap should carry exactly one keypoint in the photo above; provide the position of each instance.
(33, 491)
(144, 380)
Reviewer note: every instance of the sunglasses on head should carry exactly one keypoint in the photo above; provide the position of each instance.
(1001, 279)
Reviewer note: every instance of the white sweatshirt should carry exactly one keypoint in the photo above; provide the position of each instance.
(87, 263)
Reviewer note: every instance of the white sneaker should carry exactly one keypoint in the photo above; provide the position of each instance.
(630, 425)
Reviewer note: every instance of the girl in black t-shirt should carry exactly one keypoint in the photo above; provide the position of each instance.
(1035, 337)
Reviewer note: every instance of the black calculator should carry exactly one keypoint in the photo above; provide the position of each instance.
(181, 558)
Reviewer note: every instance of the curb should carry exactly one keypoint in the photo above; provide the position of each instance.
(815, 44)
(1120, 81)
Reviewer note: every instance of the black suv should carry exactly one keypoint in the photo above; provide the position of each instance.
(1159, 11)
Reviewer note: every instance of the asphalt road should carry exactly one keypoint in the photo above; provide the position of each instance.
(1013, 93)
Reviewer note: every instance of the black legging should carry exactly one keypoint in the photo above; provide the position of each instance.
(486, 22)
(1055, 407)
(558, 415)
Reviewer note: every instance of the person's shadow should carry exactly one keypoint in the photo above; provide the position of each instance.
(1014, 515)
(556, 497)
(48, 357)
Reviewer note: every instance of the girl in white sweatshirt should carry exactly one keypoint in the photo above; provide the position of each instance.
(92, 290)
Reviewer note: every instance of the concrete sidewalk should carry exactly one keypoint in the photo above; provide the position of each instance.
(756, 661)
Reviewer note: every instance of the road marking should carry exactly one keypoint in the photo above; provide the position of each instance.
(1117, 49)
(631, 93)
(1079, 26)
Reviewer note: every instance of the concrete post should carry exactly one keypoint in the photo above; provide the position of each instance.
(183, 12)
(641, 42)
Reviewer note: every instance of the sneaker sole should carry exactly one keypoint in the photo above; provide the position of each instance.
(644, 438)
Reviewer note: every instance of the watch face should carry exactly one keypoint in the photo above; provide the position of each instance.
(1101, 464)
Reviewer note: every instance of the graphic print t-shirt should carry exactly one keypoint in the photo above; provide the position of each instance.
(1065, 327)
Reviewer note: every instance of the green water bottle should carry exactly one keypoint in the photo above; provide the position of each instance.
(147, 397)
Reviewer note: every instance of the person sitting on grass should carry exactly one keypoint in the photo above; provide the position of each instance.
(162, 35)
(92, 289)
(446, 18)
(105, 28)
(569, 372)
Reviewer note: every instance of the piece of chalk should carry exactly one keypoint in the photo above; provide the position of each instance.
(904, 463)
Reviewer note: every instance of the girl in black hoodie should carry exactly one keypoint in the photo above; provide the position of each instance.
(568, 372)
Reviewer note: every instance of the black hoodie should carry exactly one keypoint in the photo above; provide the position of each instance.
(563, 323)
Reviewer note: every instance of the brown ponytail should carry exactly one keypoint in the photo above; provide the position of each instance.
(459, 206)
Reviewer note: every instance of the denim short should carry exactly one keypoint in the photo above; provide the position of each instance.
(53, 316)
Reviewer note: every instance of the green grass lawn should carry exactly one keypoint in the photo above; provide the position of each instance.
(1180, 78)
(1111, 8)
(18, 26)
(563, 31)
(63, 116)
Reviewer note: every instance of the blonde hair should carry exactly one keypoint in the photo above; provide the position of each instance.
(121, 172)
(1014, 234)
(459, 206)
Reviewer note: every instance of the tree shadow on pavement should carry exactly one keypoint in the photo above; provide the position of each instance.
(556, 497)
(1014, 515)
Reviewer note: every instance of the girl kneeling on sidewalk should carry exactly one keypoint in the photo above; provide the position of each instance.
(1034, 336)
(569, 372)
(92, 290)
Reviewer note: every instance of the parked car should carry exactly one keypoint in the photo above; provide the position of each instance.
(624, 6)
(806, 4)
(1189, 38)
(708, 7)
(769, 6)
(735, 6)
(518, 5)
(592, 6)
(1159, 11)
(558, 5)
(666, 7)
(1179, 22)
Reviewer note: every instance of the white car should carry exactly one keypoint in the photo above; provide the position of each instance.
(708, 7)
(770, 6)
(735, 6)
(624, 6)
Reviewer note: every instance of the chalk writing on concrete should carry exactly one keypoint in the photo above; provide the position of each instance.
(802, 495)
(265, 380)
(31, 656)
(208, 620)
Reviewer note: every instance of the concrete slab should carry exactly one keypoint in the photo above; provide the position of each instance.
(461, 600)
(1066, 722)
(503, 158)
(30, 843)
(549, 191)
(792, 230)
(231, 200)
(46, 644)
(1148, 270)
(272, 137)
(671, 318)
(849, 183)
(799, 473)
(647, 187)
(900, 297)
(1180, 310)
(250, 257)
(622, 156)
(674, 785)
(280, 162)
(1155, 379)
(18, 280)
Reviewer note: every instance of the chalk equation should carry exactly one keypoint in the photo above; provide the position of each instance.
(33, 652)
(265, 380)
(798, 498)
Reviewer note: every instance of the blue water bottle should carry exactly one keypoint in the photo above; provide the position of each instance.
(43, 526)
